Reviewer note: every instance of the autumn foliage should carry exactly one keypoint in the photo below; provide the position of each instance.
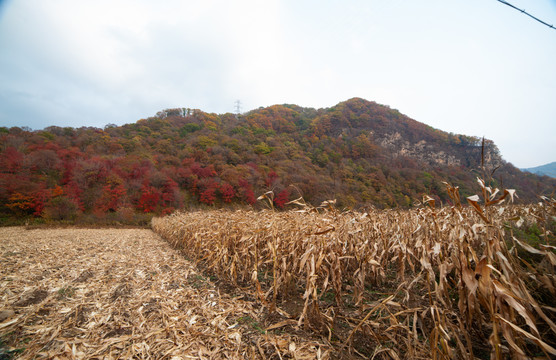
(185, 158)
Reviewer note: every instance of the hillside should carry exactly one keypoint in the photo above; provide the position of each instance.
(358, 152)
(547, 169)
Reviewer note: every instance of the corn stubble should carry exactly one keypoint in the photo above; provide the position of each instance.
(451, 282)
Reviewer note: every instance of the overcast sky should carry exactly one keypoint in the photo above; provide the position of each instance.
(475, 67)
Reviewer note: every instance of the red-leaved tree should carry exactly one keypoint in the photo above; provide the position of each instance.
(149, 199)
(282, 198)
(247, 191)
(227, 192)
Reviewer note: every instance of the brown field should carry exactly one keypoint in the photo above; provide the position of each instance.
(460, 282)
(120, 294)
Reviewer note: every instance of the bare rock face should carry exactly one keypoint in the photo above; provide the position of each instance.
(473, 155)
(422, 150)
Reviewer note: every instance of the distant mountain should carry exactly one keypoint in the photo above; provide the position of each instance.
(358, 152)
(548, 170)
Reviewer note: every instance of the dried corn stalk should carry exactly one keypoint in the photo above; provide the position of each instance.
(435, 282)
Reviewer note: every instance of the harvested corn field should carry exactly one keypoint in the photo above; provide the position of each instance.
(120, 294)
(460, 282)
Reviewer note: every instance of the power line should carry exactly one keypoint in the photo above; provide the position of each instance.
(526, 13)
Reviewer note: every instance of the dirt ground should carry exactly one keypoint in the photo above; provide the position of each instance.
(123, 293)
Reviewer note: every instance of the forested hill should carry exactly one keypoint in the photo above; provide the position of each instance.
(357, 152)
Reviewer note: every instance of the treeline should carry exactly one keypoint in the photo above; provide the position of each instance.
(358, 152)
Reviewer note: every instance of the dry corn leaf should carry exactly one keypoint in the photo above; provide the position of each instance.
(529, 336)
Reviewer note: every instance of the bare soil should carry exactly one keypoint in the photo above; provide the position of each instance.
(124, 293)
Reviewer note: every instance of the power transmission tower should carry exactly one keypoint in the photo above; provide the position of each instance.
(238, 107)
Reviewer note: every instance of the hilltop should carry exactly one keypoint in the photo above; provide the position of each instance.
(358, 152)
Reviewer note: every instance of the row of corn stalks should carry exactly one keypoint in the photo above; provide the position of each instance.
(454, 282)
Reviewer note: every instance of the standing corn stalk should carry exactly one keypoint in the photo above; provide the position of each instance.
(429, 282)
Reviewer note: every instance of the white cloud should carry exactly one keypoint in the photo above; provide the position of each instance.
(472, 67)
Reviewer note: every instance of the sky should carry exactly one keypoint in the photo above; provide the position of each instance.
(474, 67)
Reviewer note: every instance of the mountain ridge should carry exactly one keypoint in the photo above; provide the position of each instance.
(546, 169)
(358, 152)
